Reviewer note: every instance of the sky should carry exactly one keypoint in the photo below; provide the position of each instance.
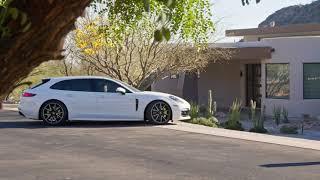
(230, 14)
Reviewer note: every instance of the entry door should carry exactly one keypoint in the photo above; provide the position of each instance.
(112, 105)
(253, 81)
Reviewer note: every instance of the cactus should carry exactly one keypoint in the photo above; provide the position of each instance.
(211, 107)
(276, 115)
(214, 111)
(285, 115)
(253, 106)
(258, 123)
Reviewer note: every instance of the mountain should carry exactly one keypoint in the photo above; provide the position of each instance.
(298, 14)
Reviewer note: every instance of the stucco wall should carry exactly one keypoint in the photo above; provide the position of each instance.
(168, 85)
(295, 51)
(224, 80)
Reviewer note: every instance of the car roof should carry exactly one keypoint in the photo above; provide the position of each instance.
(78, 77)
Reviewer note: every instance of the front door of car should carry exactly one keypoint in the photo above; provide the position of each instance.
(113, 105)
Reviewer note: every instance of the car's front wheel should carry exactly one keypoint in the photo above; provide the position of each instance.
(53, 113)
(158, 112)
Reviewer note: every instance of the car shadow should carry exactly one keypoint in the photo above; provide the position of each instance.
(35, 124)
(296, 164)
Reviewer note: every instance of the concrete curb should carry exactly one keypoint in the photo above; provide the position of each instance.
(286, 141)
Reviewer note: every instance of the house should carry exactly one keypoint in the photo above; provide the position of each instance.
(275, 66)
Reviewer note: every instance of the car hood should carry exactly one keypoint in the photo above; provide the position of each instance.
(155, 93)
(164, 95)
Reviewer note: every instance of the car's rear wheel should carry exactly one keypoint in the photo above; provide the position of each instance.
(158, 112)
(53, 113)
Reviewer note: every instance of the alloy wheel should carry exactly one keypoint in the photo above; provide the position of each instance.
(160, 112)
(53, 113)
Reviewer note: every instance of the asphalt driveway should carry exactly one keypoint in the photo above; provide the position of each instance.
(104, 150)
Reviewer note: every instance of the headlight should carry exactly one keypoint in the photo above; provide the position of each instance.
(176, 99)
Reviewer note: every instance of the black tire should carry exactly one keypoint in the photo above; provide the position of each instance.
(53, 113)
(158, 112)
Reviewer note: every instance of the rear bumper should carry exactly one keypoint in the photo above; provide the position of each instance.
(28, 110)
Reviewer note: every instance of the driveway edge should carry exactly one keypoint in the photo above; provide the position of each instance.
(279, 140)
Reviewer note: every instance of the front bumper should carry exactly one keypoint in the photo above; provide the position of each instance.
(181, 112)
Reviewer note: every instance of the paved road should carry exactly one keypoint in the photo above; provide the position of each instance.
(118, 151)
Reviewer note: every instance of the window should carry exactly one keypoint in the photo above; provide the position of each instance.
(73, 85)
(311, 81)
(277, 81)
(40, 84)
(101, 85)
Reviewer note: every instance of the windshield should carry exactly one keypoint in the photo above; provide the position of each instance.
(133, 89)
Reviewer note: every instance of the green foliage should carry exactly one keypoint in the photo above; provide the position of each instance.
(285, 115)
(194, 111)
(45, 70)
(8, 14)
(211, 122)
(234, 116)
(203, 110)
(191, 20)
(289, 129)
(276, 115)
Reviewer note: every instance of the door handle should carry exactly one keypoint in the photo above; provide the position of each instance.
(69, 95)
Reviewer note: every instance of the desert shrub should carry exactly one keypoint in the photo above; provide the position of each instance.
(234, 117)
(194, 110)
(202, 110)
(289, 129)
(211, 122)
(285, 115)
(258, 123)
(276, 115)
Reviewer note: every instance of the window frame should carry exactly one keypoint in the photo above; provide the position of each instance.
(303, 71)
(108, 80)
(266, 81)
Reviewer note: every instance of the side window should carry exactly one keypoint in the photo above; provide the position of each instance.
(62, 85)
(277, 81)
(311, 81)
(101, 85)
(73, 85)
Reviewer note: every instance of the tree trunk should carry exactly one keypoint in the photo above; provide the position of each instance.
(51, 21)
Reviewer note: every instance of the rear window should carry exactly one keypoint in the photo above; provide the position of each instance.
(40, 84)
(74, 85)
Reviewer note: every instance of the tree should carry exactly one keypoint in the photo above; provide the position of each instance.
(137, 58)
(23, 48)
(33, 31)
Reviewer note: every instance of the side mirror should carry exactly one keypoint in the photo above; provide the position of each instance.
(121, 90)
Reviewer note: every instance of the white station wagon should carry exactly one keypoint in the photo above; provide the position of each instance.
(58, 100)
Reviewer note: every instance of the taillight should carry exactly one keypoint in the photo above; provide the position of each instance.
(26, 94)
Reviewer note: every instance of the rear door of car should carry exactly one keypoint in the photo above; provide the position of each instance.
(79, 98)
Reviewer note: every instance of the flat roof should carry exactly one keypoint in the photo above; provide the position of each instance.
(248, 53)
(290, 30)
